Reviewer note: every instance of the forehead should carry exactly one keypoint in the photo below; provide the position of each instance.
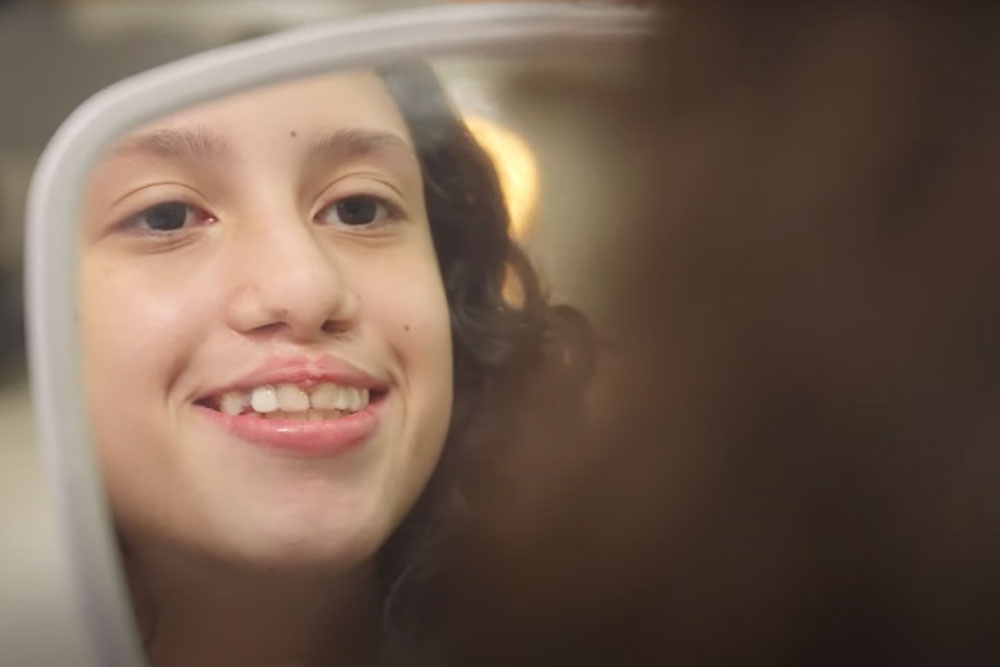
(314, 105)
(288, 133)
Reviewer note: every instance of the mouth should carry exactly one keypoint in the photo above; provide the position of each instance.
(307, 401)
(320, 419)
(301, 406)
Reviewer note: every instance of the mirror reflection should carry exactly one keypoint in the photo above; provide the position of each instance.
(311, 316)
(798, 466)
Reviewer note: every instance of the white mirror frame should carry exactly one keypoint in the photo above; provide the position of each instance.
(56, 196)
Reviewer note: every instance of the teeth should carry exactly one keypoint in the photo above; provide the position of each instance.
(264, 399)
(360, 400)
(344, 399)
(233, 402)
(289, 401)
(348, 399)
(325, 396)
(291, 398)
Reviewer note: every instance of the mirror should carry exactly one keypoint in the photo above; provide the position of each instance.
(308, 297)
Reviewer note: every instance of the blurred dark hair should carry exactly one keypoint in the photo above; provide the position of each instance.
(797, 464)
(506, 348)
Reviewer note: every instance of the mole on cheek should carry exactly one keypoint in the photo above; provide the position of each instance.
(293, 134)
(406, 327)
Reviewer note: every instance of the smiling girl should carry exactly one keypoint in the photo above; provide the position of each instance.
(290, 303)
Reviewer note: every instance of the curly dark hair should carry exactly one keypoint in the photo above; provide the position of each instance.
(505, 350)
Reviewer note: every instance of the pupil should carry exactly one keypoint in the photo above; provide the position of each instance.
(357, 210)
(166, 217)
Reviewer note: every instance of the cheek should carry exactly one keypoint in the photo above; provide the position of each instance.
(403, 298)
(411, 313)
(132, 327)
(405, 303)
(135, 336)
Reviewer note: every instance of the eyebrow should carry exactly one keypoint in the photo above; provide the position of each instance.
(183, 142)
(350, 143)
(201, 142)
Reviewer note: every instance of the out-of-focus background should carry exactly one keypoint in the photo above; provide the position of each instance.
(55, 54)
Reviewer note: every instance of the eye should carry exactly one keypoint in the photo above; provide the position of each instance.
(168, 217)
(357, 211)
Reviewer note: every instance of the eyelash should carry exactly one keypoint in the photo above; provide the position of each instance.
(135, 222)
(392, 212)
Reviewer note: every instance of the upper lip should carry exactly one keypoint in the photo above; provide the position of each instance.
(304, 371)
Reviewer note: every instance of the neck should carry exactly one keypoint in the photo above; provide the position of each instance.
(199, 614)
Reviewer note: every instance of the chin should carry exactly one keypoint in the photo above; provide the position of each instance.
(306, 547)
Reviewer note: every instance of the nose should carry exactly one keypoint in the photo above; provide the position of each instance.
(289, 283)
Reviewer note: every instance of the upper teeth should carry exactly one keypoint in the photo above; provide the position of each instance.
(294, 399)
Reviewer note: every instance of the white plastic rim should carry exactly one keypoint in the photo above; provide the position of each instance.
(52, 244)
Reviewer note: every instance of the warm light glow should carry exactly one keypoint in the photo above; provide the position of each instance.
(516, 167)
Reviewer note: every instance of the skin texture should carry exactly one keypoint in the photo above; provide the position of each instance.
(266, 267)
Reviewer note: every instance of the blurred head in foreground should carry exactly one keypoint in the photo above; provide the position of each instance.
(794, 451)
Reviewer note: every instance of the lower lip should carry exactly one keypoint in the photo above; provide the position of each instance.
(297, 436)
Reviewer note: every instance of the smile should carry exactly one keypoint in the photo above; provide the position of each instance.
(325, 400)
(300, 406)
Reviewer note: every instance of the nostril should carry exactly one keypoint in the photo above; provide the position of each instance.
(333, 327)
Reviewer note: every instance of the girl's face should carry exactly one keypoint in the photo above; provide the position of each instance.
(266, 337)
